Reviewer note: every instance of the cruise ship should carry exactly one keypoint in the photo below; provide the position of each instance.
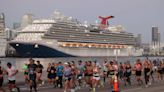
(62, 36)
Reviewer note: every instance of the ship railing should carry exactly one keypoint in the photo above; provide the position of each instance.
(92, 37)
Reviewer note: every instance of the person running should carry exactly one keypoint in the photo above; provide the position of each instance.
(159, 71)
(111, 72)
(151, 70)
(138, 71)
(67, 77)
(105, 70)
(128, 71)
(74, 73)
(96, 76)
(121, 71)
(147, 71)
(49, 73)
(39, 73)
(32, 74)
(59, 74)
(1, 78)
(80, 72)
(89, 73)
(11, 72)
(25, 68)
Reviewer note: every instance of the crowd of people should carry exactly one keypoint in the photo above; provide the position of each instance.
(71, 76)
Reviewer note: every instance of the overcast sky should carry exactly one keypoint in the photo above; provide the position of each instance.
(137, 16)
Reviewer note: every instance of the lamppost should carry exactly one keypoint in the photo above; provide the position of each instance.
(116, 53)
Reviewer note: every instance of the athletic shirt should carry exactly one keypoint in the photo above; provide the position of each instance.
(111, 71)
(89, 70)
(52, 70)
(104, 67)
(128, 69)
(138, 67)
(95, 70)
(67, 72)
(73, 70)
(59, 71)
(40, 67)
(11, 71)
(32, 68)
(80, 69)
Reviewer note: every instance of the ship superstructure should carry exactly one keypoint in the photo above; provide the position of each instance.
(61, 36)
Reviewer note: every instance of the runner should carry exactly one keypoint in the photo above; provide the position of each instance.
(147, 71)
(89, 73)
(111, 72)
(96, 76)
(73, 73)
(127, 73)
(105, 70)
(80, 72)
(39, 73)
(1, 77)
(121, 71)
(59, 73)
(67, 77)
(159, 71)
(25, 68)
(49, 73)
(138, 71)
(32, 74)
(151, 70)
(11, 72)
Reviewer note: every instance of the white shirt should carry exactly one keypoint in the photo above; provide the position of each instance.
(11, 71)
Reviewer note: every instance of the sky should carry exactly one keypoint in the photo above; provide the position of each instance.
(136, 16)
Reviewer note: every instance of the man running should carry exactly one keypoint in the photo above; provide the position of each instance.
(80, 72)
(11, 72)
(59, 74)
(32, 74)
(127, 73)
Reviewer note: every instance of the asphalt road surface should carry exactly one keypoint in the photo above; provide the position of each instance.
(157, 86)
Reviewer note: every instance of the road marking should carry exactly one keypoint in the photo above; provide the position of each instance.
(23, 88)
(133, 89)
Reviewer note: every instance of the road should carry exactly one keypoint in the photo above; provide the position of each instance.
(157, 86)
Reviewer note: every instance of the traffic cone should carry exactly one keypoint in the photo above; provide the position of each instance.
(115, 85)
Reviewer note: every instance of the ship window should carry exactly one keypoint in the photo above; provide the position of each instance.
(17, 44)
(36, 46)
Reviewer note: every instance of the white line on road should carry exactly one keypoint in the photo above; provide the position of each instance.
(133, 89)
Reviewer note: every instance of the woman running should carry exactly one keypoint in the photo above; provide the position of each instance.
(89, 73)
(138, 70)
(96, 76)
(147, 71)
(51, 73)
(111, 72)
(159, 71)
(67, 77)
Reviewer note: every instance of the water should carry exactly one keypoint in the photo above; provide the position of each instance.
(19, 62)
